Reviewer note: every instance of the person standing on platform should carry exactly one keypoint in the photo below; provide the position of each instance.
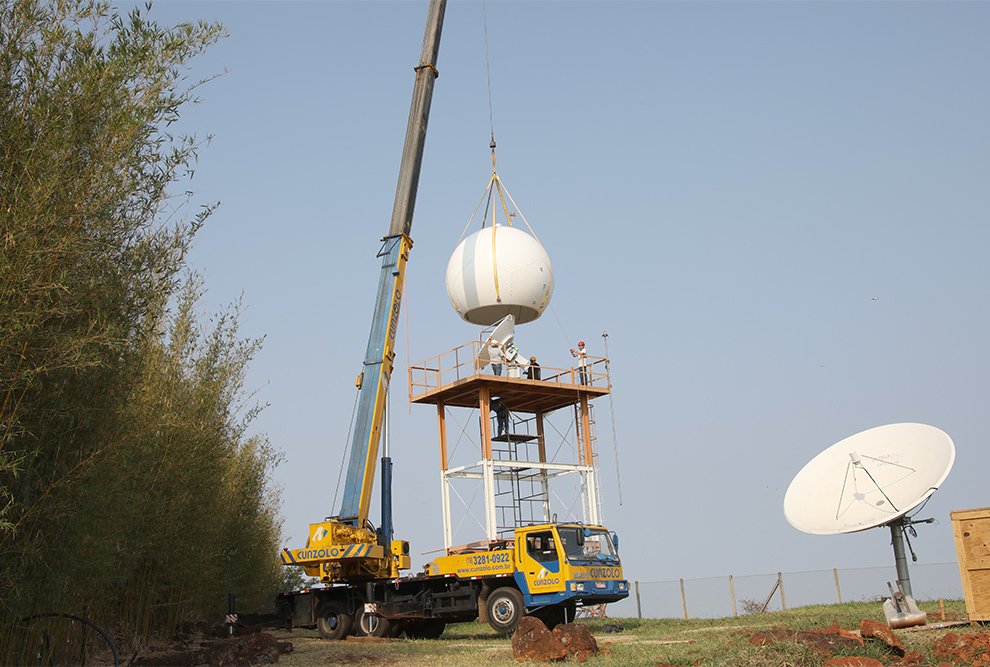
(497, 356)
(582, 357)
(533, 372)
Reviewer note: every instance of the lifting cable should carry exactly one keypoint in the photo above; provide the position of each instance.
(611, 407)
(494, 179)
(494, 182)
(405, 314)
(503, 192)
(488, 69)
(343, 460)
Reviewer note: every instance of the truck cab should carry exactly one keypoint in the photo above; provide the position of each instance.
(568, 563)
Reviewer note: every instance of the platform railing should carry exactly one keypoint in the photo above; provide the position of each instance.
(464, 362)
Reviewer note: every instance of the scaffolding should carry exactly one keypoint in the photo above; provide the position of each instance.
(519, 476)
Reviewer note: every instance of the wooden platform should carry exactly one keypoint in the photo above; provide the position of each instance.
(518, 394)
(514, 438)
(456, 377)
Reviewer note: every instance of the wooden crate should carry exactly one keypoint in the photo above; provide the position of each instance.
(971, 529)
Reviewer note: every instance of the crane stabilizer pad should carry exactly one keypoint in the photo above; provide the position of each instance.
(343, 552)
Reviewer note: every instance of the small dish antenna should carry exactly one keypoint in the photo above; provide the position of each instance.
(871, 479)
(495, 347)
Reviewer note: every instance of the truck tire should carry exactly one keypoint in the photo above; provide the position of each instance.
(505, 609)
(371, 625)
(426, 628)
(333, 621)
(551, 615)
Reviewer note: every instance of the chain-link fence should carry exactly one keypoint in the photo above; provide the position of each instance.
(720, 597)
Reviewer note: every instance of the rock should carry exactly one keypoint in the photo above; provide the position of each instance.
(577, 640)
(532, 641)
(877, 630)
(612, 627)
(947, 642)
(834, 629)
(963, 649)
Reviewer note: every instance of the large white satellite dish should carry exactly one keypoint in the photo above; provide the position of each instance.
(869, 479)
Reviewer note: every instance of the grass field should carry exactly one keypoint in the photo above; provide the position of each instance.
(704, 642)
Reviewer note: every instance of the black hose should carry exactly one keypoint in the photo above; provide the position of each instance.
(116, 659)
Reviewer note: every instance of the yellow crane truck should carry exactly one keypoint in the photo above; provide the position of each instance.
(545, 570)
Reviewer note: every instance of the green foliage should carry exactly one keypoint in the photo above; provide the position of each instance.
(295, 579)
(85, 267)
(130, 489)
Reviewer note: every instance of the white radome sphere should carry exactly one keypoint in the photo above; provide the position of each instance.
(521, 265)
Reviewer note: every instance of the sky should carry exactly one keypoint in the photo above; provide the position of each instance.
(776, 210)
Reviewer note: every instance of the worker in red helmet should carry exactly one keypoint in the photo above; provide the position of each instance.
(582, 357)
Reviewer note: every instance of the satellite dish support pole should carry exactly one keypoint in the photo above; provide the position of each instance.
(900, 559)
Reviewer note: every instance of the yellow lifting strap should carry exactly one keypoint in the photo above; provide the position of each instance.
(503, 192)
(495, 180)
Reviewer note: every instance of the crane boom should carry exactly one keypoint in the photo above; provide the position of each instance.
(377, 371)
(374, 386)
(419, 115)
(344, 548)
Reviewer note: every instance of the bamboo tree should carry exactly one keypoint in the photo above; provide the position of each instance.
(128, 481)
(85, 96)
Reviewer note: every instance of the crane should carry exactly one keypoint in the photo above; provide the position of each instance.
(344, 547)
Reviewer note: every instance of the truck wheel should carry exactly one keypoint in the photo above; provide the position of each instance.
(371, 625)
(505, 609)
(552, 615)
(333, 621)
(432, 628)
(427, 628)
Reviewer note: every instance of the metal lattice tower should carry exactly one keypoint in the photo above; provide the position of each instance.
(519, 470)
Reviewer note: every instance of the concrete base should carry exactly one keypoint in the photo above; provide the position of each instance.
(908, 615)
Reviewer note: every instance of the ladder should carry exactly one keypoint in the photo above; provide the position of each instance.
(593, 440)
(521, 495)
